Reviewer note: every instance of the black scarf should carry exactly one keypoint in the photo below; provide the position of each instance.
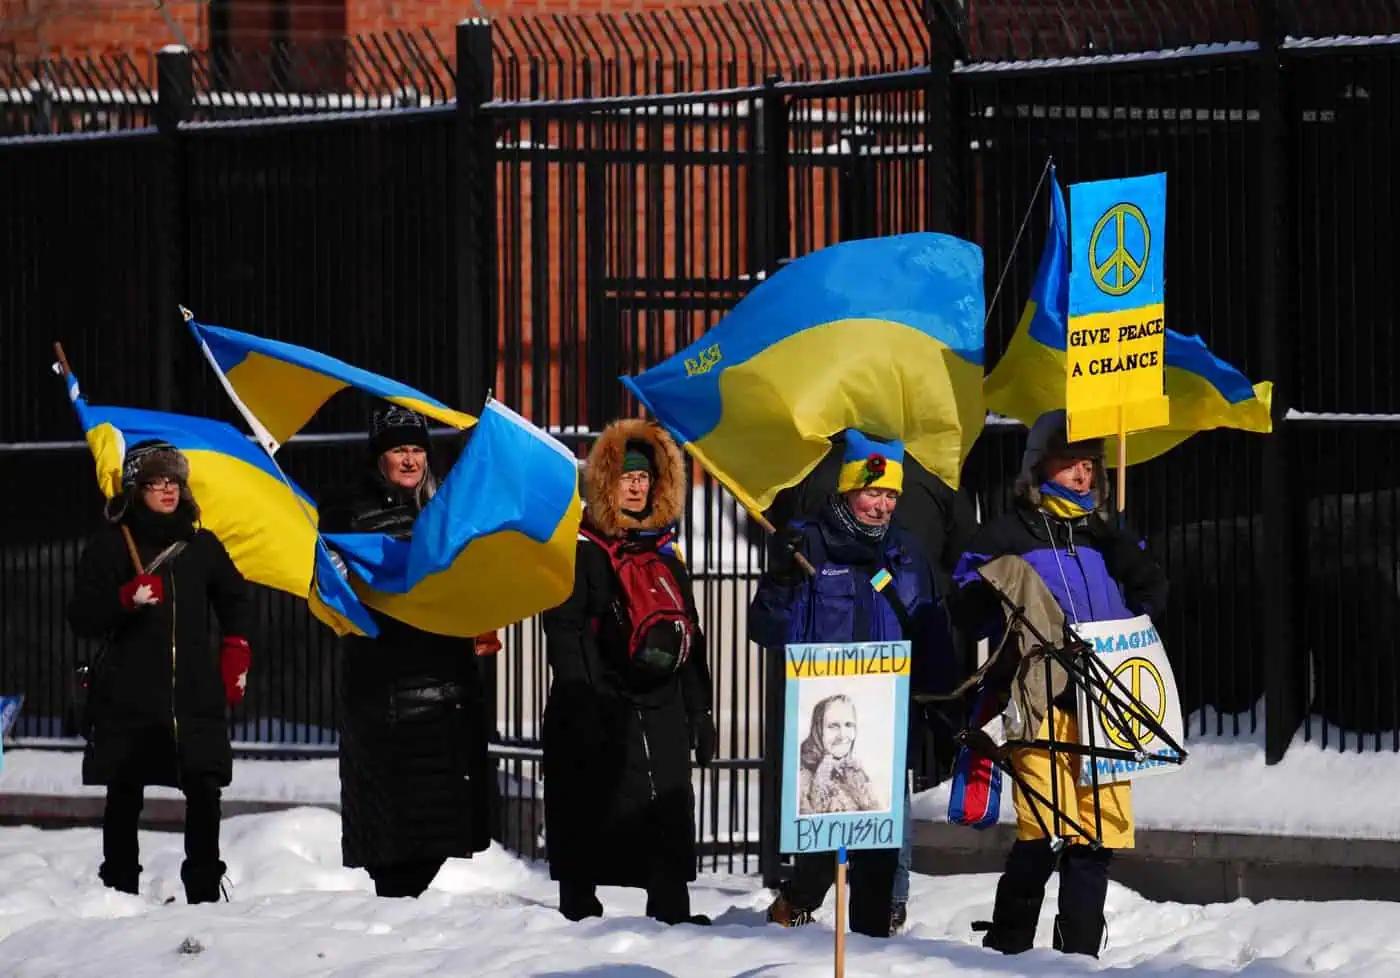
(160, 530)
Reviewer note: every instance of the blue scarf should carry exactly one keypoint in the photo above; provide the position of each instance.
(1056, 500)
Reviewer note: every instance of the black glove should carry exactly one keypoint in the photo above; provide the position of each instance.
(782, 561)
(974, 605)
(702, 737)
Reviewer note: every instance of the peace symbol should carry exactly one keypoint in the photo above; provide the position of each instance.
(1131, 673)
(1121, 271)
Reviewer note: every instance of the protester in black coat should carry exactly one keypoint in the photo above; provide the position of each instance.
(158, 694)
(415, 780)
(619, 809)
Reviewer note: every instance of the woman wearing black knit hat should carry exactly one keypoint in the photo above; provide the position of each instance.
(415, 782)
(156, 712)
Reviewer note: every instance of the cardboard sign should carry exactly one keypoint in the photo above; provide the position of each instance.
(844, 736)
(1117, 322)
(1133, 652)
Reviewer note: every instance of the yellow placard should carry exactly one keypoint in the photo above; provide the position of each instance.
(1114, 362)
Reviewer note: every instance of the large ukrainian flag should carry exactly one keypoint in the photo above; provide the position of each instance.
(282, 385)
(1205, 391)
(883, 335)
(496, 544)
(265, 521)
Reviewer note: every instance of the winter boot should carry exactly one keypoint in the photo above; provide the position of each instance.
(669, 902)
(1079, 934)
(1012, 927)
(783, 913)
(126, 879)
(579, 901)
(899, 916)
(203, 881)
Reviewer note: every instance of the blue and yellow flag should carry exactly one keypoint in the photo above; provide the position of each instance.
(882, 335)
(496, 544)
(1205, 391)
(265, 521)
(282, 385)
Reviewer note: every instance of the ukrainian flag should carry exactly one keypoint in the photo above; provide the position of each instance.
(265, 521)
(883, 335)
(282, 385)
(496, 544)
(1205, 391)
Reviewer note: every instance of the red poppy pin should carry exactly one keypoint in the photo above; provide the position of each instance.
(874, 468)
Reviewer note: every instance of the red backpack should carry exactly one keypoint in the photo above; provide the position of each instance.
(651, 608)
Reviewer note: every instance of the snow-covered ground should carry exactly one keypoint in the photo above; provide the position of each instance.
(296, 912)
(1225, 786)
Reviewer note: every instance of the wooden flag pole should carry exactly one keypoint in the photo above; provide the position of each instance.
(66, 371)
(798, 558)
(1122, 463)
(841, 912)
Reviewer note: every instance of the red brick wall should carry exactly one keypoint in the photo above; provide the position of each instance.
(38, 28)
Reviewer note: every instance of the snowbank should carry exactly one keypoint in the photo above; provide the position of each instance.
(1226, 786)
(296, 912)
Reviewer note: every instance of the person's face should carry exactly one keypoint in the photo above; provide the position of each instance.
(873, 507)
(404, 466)
(161, 495)
(633, 490)
(1076, 474)
(839, 729)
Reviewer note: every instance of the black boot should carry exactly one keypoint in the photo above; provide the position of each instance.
(1079, 926)
(1020, 892)
(1079, 935)
(1012, 929)
(669, 902)
(126, 878)
(579, 901)
(202, 881)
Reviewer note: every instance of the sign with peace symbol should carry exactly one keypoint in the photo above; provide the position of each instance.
(1119, 247)
(1145, 682)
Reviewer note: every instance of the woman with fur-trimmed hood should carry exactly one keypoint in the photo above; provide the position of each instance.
(626, 705)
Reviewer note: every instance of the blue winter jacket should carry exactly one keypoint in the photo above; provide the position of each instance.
(839, 604)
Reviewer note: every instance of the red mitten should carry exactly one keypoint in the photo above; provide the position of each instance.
(234, 659)
(142, 591)
(487, 643)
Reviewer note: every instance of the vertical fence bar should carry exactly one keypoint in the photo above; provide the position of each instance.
(475, 197)
(1275, 597)
(772, 175)
(175, 91)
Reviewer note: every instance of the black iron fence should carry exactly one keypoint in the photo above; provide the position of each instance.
(598, 191)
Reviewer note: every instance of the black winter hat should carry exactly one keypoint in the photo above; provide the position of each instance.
(393, 426)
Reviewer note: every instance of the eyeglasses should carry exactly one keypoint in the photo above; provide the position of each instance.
(636, 478)
(160, 485)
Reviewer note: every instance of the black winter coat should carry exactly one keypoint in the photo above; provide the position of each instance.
(157, 706)
(619, 808)
(415, 780)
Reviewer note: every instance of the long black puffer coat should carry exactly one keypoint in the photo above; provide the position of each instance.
(415, 780)
(157, 706)
(619, 807)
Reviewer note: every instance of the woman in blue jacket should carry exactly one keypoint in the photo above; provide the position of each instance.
(872, 584)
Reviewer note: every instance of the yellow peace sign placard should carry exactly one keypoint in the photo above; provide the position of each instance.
(1115, 339)
(1121, 271)
(1144, 680)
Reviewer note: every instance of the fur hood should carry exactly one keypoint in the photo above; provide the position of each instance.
(603, 472)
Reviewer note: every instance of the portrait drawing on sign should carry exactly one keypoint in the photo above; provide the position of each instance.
(838, 771)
